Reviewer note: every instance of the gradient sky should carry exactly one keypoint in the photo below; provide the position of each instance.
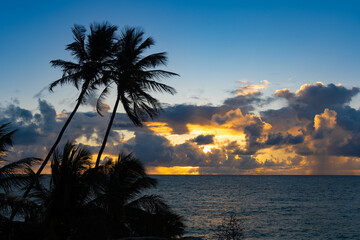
(224, 51)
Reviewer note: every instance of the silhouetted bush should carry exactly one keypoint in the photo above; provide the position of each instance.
(231, 229)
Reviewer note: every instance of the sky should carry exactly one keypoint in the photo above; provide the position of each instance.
(265, 87)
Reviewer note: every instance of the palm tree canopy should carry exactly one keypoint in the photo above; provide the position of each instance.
(66, 184)
(93, 53)
(124, 179)
(13, 175)
(135, 76)
(108, 198)
(6, 136)
(10, 171)
(120, 194)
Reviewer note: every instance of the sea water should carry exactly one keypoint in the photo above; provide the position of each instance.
(270, 207)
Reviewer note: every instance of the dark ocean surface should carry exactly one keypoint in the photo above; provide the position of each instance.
(271, 207)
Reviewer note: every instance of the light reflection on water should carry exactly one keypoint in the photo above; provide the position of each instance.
(272, 207)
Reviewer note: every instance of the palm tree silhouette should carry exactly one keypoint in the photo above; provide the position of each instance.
(104, 202)
(128, 212)
(13, 175)
(134, 76)
(93, 57)
(63, 202)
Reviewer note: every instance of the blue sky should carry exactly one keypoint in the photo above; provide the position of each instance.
(225, 118)
(211, 44)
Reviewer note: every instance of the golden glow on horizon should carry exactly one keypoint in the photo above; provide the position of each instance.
(176, 170)
(104, 155)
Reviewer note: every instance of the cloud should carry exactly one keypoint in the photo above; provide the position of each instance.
(312, 99)
(178, 116)
(250, 89)
(325, 120)
(280, 139)
(203, 139)
(315, 132)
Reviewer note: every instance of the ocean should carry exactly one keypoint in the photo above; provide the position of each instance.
(270, 207)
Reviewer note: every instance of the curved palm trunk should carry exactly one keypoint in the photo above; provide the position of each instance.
(46, 160)
(107, 131)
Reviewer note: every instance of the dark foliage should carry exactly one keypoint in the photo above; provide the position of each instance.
(106, 202)
(231, 229)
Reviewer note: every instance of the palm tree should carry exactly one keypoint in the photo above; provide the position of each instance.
(93, 57)
(101, 203)
(64, 201)
(129, 213)
(5, 139)
(13, 176)
(135, 76)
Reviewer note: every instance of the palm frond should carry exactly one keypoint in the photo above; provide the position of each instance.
(149, 203)
(6, 136)
(24, 205)
(77, 48)
(157, 87)
(16, 174)
(100, 105)
(152, 60)
(159, 74)
(73, 78)
(129, 111)
(144, 45)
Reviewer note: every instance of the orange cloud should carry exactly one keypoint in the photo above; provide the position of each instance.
(304, 88)
(327, 119)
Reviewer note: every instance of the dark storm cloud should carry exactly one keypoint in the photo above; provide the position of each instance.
(37, 132)
(246, 103)
(179, 115)
(152, 149)
(312, 99)
(348, 118)
(14, 113)
(32, 130)
(204, 139)
(48, 116)
(282, 119)
(280, 138)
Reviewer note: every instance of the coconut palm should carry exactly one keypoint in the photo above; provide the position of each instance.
(93, 53)
(104, 202)
(6, 136)
(94, 57)
(64, 201)
(128, 211)
(135, 77)
(13, 175)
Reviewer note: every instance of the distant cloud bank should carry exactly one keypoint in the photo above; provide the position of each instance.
(316, 132)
